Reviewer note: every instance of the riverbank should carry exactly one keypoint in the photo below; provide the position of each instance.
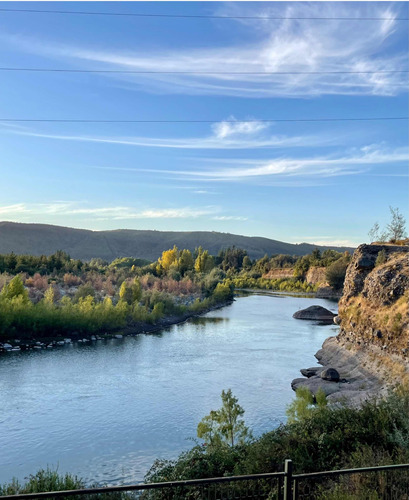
(30, 341)
(360, 372)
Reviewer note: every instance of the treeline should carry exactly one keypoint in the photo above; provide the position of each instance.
(79, 298)
(56, 295)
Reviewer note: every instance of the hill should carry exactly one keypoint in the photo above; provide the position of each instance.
(45, 239)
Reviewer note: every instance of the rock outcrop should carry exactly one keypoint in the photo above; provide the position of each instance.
(371, 351)
(374, 308)
(317, 275)
(275, 274)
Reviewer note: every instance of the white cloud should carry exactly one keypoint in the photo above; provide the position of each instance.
(18, 208)
(228, 128)
(355, 162)
(103, 213)
(225, 135)
(229, 217)
(268, 46)
(329, 241)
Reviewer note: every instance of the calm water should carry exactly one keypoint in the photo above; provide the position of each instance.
(106, 411)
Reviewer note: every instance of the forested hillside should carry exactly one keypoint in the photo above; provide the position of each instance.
(44, 239)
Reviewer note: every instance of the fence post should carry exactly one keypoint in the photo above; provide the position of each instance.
(288, 479)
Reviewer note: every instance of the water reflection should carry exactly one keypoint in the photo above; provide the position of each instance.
(205, 320)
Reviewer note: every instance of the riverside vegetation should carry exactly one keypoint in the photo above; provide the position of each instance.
(56, 296)
(316, 437)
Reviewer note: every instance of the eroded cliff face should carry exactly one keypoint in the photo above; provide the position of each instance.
(317, 276)
(374, 308)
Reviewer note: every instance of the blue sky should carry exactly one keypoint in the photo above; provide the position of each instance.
(320, 182)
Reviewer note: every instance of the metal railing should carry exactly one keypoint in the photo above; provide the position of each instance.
(389, 482)
(385, 482)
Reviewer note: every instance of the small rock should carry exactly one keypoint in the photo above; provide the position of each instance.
(310, 372)
(337, 320)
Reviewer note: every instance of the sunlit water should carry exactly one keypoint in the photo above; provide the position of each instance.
(105, 411)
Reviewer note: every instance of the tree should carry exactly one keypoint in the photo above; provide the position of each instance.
(50, 295)
(373, 233)
(130, 292)
(396, 228)
(315, 257)
(246, 262)
(15, 289)
(224, 426)
(185, 262)
(83, 292)
(335, 273)
(168, 258)
(204, 262)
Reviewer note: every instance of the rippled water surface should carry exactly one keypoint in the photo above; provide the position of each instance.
(105, 411)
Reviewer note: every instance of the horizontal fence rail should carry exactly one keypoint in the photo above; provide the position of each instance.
(199, 488)
(387, 482)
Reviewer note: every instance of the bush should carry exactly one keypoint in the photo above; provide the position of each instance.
(381, 258)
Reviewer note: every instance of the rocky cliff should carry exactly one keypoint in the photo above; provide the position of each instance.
(374, 308)
(371, 351)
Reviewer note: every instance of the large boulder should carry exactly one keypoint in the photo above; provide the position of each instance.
(316, 313)
(330, 374)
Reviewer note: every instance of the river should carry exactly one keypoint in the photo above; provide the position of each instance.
(106, 410)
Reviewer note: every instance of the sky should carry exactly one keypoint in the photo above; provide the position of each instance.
(231, 164)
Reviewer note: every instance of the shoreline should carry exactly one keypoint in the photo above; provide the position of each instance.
(25, 343)
(364, 373)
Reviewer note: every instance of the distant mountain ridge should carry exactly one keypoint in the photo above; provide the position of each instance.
(45, 239)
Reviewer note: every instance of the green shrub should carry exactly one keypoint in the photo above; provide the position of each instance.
(335, 273)
(381, 258)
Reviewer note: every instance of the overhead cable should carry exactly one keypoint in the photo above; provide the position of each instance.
(270, 120)
(149, 72)
(204, 16)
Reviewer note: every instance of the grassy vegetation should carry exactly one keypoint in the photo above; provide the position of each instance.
(390, 319)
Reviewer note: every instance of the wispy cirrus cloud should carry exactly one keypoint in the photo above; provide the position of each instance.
(267, 46)
(104, 213)
(231, 134)
(355, 162)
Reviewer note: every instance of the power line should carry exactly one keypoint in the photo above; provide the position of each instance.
(204, 16)
(271, 120)
(143, 72)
